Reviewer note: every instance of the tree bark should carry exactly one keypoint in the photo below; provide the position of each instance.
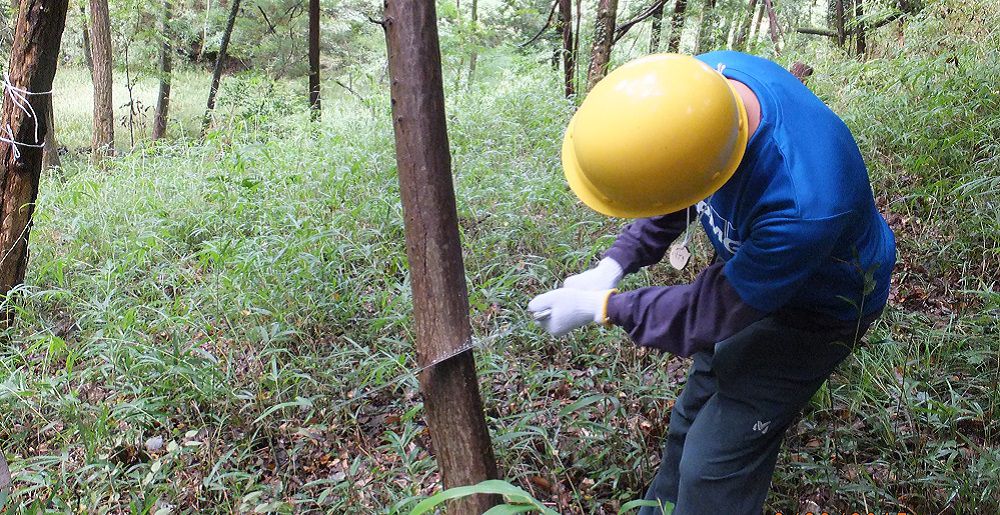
(166, 65)
(772, 23)
(838, 15)
(219, 63)
(568, 55)
(706, 28)
(33, 59)
(655, 30)
(676, 26)
(741, 38)
(604, 33)
(475, 40)
(86, 41)
(758, 25)
(859, 37)
(440, 298)
(103, 137)
(50, 149)
(314, 59)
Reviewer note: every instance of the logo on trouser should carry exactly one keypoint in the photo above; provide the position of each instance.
(761, 426)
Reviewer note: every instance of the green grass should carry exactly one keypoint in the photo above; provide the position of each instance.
(230, 296)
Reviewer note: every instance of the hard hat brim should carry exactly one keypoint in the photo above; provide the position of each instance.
(592, 197)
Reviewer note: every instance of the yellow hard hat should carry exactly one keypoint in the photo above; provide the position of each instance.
(656, 135)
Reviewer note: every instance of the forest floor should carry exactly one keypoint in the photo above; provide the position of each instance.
(209, 326)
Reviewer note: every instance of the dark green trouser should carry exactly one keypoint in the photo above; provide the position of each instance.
(727, 425)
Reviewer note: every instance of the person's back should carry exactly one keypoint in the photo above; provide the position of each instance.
(802, 173)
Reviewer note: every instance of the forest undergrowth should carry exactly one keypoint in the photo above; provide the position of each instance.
(209, 326)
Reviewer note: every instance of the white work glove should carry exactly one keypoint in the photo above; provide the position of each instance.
(560, 311)
(605, 276)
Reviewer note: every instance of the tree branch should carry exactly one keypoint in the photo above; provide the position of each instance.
(548, 21)
(624, 28)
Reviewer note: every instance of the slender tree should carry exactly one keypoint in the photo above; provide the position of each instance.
(33, 58)
(474, 27)
(568, 52)
(676, 26)
(314, 13)
(166, 57)
(859, 31)
(50, 149)
(706, 28)
(433, 248)
(838, 20)
(759, 24)
(772, 23)
(86, 40)
(655, 29)
(220, 61)
(741, 37)
(604, 34)
(103, 137)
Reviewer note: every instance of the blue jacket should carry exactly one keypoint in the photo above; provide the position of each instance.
(796, 226)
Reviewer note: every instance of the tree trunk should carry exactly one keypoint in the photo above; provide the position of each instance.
(838, 20)
(706, 29)
(861, 44)
(758, 25)
(220, 61)
(103, 137)
(166, 65)
(440, 298)
(569, 57)
(772, 23)
(475, 39)
(604, 33)
(33, 59)
(86, 41)
(676, 26)
(50, 149)
(655, 30)
(314, 58)
(741, 38)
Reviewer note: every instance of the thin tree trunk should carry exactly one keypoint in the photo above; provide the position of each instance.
(838, 20)
(33, 57)
(655, 30)
(219, 63)
(569, 65)
(706, 29)
(440, 298)
(50, 150)
(166, 65)
(772, 23)
(103, 137)
(676, 26)
(741, 39)
(87, 57)
(604, 34)
(759, 24)
(861, 44)
(314, 59)
(475, 39)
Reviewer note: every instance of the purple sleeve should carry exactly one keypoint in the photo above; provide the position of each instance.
(645, 241)
(686, 318)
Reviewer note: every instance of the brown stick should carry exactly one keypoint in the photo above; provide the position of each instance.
(32, 66)
(656, 6)
(440, 299)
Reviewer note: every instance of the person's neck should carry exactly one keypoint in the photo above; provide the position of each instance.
(752, 106)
